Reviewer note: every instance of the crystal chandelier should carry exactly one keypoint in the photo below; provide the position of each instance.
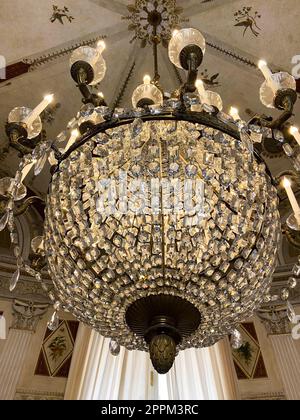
(161, 223)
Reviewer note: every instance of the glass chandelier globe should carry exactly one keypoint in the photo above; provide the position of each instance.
(161, 227)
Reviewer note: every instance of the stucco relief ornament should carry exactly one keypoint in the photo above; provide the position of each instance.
(163, 15)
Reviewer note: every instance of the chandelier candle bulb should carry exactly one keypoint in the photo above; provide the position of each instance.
(101, 46)
(234, 113)
(295, 132)
(147, 79)
(202, 92)
(38, 110)
(73, 138)
(263, 66)
(295, 206)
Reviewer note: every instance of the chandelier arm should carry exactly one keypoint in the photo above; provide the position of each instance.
(26, 204)
(89, 97)
(288, 104)
(190, 85)
(285, 100)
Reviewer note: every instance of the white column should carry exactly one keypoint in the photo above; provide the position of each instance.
(97, 375)
(11, 362)
(288, 358)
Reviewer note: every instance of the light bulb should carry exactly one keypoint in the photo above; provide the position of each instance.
(295, 133)
(101, 46)
(49, 98)
(294, 130)
(75, 133)
(147, 79)
(234, 112)
(199, 83)
(286, 183)
(262, 64)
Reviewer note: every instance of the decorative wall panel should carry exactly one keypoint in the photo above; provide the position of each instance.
(57, 349)
(248, 360)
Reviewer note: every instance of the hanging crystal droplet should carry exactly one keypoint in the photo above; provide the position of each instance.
(284, 294)
(292, 282)
(236, 340)
(53, 324)
(39, 166)
(114, 348)
(4, 221)
(291, 314)
(14, 280)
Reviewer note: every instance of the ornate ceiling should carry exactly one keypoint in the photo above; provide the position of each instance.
(36, 41)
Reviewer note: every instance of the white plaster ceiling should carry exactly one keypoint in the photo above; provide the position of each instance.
(27, 33)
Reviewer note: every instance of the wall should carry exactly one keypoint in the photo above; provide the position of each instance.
(29, 384)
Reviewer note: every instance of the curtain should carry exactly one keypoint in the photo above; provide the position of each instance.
(2, 327)
(129, 376)
(203, 374)
(97, 375)
(287, 353)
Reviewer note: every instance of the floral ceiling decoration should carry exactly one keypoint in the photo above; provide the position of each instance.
(61, 15)
(248, 19)
(212, 80)
(165, 15)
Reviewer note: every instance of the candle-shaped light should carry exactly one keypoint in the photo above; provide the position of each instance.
(202, 92)
(73, 138)
(101, 46)
(234, 113)
(295, 206)
(263, 66)
(147, 79)
(295, 132)
(38, 110)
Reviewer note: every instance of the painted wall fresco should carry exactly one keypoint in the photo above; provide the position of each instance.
(57, 349)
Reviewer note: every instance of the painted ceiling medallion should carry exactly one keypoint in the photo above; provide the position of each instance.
(154, 21)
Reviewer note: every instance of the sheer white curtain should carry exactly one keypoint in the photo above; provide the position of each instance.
(287, 353)
(203, 374)
(97, 375)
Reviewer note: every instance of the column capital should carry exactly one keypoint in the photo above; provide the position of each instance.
(275, 322)
(27, 314)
